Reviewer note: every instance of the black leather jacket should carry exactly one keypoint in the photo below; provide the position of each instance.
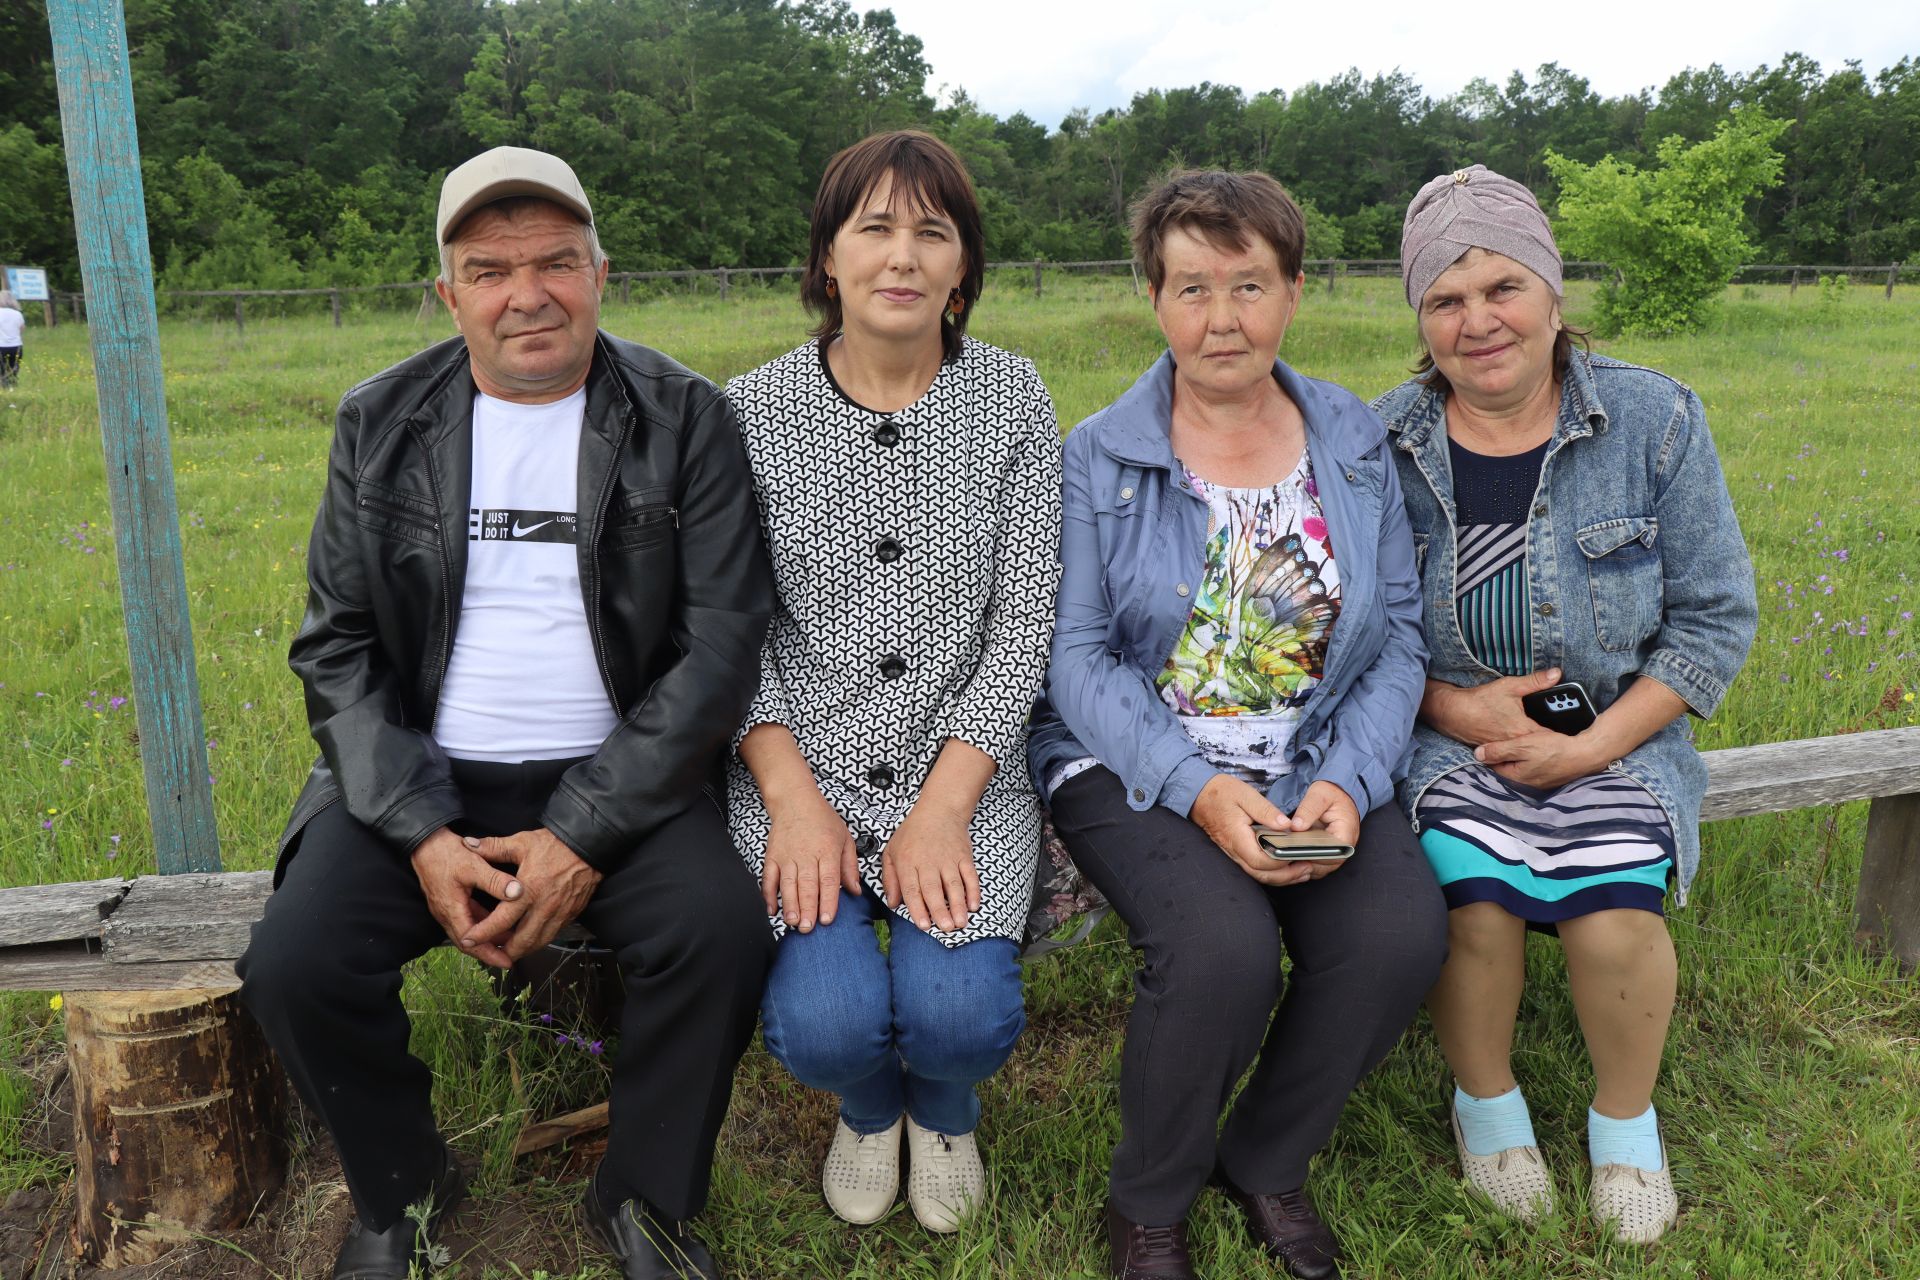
(672, 568)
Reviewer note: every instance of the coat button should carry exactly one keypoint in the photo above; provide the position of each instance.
(880, 777)
(1138, 794)
(1546, 609)
(1180, 590)
(892, 667)
(886, 551)
(1540, 509)
(886, 434)
(864, 844)
(1351, 477)
(1126, 493)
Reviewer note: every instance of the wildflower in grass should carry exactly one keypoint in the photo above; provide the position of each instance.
(56, 1003)
(116, 702)
(596, 1047)
(546, 1019)
(114, 842)
(67, 763)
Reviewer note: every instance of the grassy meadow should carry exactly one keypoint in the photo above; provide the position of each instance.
(1791, 1093)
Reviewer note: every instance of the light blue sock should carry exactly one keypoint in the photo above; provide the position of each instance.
(1635, 1142)
(1490, 1125)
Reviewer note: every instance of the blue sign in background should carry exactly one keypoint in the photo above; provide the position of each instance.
(27, 284)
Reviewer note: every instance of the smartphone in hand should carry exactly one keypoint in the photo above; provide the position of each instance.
(1312, 845)
(1565, 708)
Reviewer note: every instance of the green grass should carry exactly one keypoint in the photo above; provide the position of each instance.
(1792, 1084)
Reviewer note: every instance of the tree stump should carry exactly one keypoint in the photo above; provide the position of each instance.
(178, 1117)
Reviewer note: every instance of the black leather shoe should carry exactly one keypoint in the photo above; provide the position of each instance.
(649, 1247)
(1287, 1226)
(1148, 1253)
(386, 1255)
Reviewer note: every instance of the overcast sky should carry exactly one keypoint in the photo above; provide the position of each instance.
(1046, 57)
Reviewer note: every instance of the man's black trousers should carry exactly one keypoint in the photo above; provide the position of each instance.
(682, 914)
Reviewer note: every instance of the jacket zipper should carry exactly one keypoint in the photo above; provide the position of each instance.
(593, 563)
(446, 580)
(399, 512)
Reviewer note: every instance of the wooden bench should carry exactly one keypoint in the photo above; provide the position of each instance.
(158, 933)
(156, 1037)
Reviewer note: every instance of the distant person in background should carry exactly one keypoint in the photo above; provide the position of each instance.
(1574, 526)
(909, 481)
(1238, 643)
(13, 328)
(536, 595)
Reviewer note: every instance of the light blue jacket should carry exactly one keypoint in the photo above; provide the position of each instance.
(1132, 550)
(1635, 566)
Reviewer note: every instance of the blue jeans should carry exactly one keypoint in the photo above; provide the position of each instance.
(912, 1030)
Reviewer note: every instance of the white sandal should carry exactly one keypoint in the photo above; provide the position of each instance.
(945, 1179)
(1640, 1203)
(1515, 1179)
(862, 1173)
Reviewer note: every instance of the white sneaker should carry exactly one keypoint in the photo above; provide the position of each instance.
(1640, 1204)
(1515, 1179)
(862, 1173)
(945, 1179)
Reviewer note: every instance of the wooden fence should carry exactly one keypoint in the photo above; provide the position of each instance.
(1320, 270)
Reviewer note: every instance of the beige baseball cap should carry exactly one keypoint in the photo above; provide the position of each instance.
(508, 171)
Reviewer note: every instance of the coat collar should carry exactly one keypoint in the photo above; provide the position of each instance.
(1135, 428)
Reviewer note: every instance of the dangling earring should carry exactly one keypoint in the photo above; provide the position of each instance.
(955, 304)
(833, 288)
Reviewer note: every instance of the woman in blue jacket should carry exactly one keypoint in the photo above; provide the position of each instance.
(1237, 642)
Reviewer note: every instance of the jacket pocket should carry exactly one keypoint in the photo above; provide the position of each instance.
(642, 518)
(1623, 575)
(393, 513)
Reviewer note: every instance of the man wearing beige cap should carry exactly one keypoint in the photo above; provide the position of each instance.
(536, 597)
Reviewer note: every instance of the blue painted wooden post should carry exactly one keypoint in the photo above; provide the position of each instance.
(109, 213)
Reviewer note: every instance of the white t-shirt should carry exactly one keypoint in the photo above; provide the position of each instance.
(12, 325)
(523, 683)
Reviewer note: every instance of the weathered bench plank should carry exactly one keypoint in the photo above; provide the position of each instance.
(57, 912)
(186, 917)
(1778, 776)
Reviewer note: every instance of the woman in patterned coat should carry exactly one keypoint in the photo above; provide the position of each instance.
(908, 479)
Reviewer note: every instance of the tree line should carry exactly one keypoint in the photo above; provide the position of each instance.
(289, 143)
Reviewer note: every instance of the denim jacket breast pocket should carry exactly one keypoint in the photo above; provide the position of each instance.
(1623, 574)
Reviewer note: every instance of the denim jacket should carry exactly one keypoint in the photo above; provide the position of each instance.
(1132, 552)
(1635, 566)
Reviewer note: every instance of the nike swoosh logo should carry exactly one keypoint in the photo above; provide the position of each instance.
(518, 532)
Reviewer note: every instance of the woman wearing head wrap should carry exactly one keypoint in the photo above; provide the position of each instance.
(1574, 529)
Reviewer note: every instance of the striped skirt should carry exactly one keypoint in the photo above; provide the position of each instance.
(1600, 842)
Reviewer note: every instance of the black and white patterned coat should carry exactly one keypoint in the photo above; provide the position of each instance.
(916, 555)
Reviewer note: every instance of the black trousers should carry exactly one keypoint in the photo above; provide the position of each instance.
(1366, 943)
(682, 914)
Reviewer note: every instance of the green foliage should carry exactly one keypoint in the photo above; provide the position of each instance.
(1833, 292)
(1673, 232)
(700, 129)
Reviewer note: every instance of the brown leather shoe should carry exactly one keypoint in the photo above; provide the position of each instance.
(1148, 1253)
(1287, 1226)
